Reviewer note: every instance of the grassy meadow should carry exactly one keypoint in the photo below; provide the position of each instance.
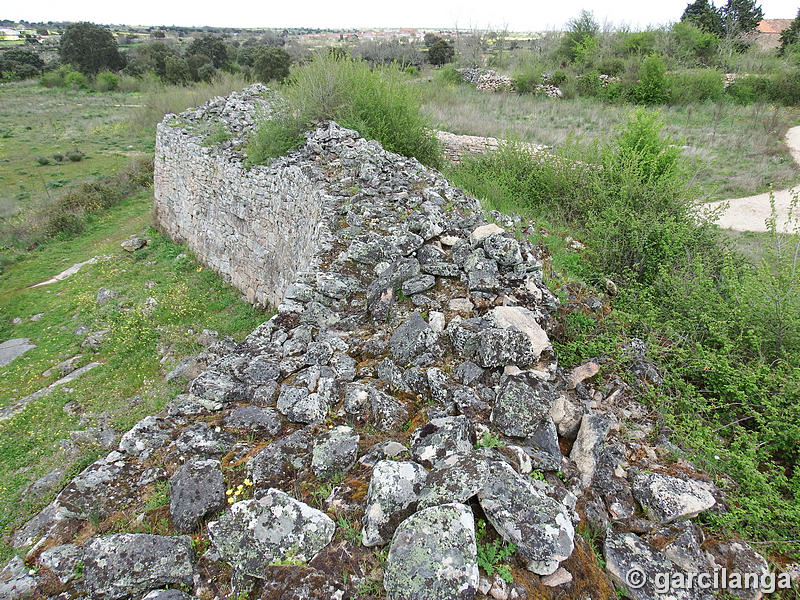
(140, 348)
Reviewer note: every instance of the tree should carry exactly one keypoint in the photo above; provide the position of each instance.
(791, 34)
(581, 34)
(705, 16)
(271, 63)
(89, 48)
(176, 70)
(441, 52)
(149, 57)
(211, 46)
(741, 16)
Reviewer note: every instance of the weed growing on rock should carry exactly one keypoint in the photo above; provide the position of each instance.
(492, 555)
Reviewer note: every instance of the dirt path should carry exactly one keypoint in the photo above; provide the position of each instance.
(750, 213)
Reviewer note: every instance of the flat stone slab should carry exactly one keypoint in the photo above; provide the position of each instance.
(668, 499)
(11, 349)
(434, 556)
(254, 533)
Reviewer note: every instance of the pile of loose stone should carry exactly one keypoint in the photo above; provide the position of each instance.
(406, 389)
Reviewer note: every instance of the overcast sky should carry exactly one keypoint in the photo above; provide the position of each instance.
(536, 15)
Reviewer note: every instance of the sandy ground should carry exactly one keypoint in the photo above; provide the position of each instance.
(751, 213)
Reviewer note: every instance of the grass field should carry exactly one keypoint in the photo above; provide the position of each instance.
(740, 150)
(139, 348)
(39, 122)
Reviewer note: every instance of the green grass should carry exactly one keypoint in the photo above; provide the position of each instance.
(36, 121)
(129, 385)
(740, 150)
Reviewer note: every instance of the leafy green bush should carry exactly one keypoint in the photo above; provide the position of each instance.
(376, 103)
(76, 81)
(106, 82)
(749, 89)
(692, 44)
(784, 87)
(448, 75)
(270, 63)
(652, 87)
(527, 78)
(695, 85)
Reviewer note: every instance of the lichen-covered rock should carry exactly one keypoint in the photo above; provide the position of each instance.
(128, 565)
(147, 435)
(388, 413)
(168, 595)
(638, 569)
(281, 459)
(412, 338)
(300, 406)
(522, 404)
(197, 490)
(504, 250)
(391, 497)
(433, 556)
(256, 418)
(102, 488)
(668, 498)
(254, 533)
(442, 437)
(522, 319)
(335, 451)
(61, 561)
(200, 439)
(455, 478)
(590, 443)
(15, 582)
(538, 525)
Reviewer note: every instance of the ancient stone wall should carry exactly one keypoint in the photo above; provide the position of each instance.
(255, 226)
(405, 396)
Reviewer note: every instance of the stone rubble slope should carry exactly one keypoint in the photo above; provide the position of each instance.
(406, 388)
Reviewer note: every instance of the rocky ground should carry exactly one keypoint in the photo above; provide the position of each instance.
(401, 429)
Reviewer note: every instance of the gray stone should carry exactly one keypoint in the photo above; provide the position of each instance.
(11, 349)
(668, 498)
(382, 451)
(503, 249)
(418, 284)
(539, 526)
(101, 489)
(635, 567)
(433, 556)
(147, 435)
(254, 418)
(129, 565)
(168, 595)
(388, 413)
(105, 295)
(300, 406)
(254, 533)
(61, 561)
(133, 244)
(335, 451)
(590, 443)
(440, 438)
(391, 497)
(455, 478)
(200, 439)
(281, 459)
(15, 582)
(412, 338)
(197, 490)
(522, 405)
(522, 319)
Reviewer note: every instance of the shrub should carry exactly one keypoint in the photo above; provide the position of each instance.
(695, 85)
(106, 82)
(448, 75)
(58, 157)
(378, 104)
(589, 84)
(75, 155)
(441, 52)
(580, 35)
(43, 160)
(527, 78)
(749, 89)
(784, 87)
(652, 87)
(692, 44)
(75, 81)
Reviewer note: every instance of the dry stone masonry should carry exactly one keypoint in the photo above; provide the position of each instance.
(400, 415)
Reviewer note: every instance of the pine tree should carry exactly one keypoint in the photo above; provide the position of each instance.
(741, 16)
(704, 15)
